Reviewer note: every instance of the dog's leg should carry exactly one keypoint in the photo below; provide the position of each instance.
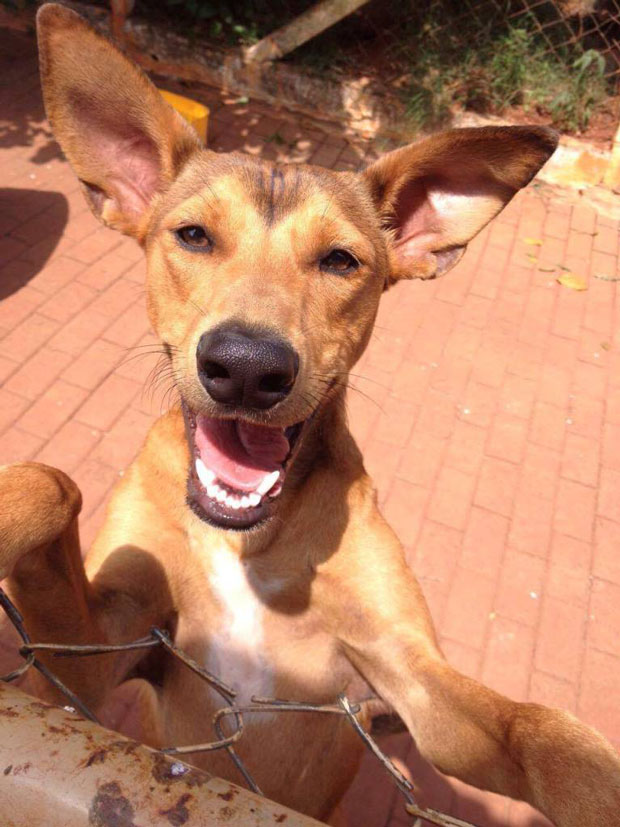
(543, 756)
(41, 561)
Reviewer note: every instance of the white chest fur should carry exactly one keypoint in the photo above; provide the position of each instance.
(237, 650)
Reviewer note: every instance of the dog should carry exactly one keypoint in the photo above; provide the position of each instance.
(247, 527)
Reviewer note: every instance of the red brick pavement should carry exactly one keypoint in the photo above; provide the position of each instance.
(488, 408)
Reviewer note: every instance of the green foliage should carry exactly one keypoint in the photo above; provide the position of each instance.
(498, 67)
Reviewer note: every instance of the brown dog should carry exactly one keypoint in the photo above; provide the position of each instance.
(247, 526)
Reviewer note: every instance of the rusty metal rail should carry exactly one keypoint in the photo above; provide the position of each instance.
(229, 709)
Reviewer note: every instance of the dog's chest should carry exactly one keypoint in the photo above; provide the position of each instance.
(233, 627)
(236, 649)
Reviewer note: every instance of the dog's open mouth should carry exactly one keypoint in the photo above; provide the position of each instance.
(237, 469)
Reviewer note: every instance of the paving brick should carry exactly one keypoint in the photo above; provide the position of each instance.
(11, 407)
(380, 461)
(78, 334)
(452, 497)
(604, 617)
(478, 405)
(520, 588)
(540, 471)
(92, 366)
(94, 245)
(508, 658)
(107, 402)
(581, 459)
(396, 421)
(29, 336)
(436, 553)
(575, 507)
(565, 582)
(548, 425)
(104, 272)
(123, 440)
(405, 508)
(484, 542)
(517, 396)
(37, 373)
(52, 409)
(130, 327)
(507, 438)
(551, 691)
(420, 460)
(68, 301)
(468, 607)
(7, 367)
(560, 639)
(606, 560)
(609, 494)
(56, 274)
(18, 306)
(437, 415)
(466, 447)
(496, 485)
(17, 445)
(70, 445)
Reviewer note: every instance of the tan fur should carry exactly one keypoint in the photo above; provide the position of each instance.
(339, 609)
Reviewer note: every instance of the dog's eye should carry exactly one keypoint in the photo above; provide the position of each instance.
(195, 237)
(339, 262)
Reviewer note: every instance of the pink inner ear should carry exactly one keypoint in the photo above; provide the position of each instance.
(124, 156)
(133, 170)
(417, 224)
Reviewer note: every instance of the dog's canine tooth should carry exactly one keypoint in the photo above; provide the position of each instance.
(205, 475)
(267, 483)
(254, 499)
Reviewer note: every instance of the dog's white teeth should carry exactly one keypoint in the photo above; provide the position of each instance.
(216, 492)
(233, 502)
(267, 483)
(205, 475)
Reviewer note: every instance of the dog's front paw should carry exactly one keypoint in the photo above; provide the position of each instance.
(572, 771)
(37, 504)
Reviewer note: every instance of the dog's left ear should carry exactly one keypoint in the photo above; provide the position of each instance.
(125, 143)
(436, 195)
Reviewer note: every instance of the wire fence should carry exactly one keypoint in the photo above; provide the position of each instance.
(229, 710)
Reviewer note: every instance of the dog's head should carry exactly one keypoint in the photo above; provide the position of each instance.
(263, 280)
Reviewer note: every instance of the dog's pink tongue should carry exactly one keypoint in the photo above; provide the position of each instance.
(239, 453)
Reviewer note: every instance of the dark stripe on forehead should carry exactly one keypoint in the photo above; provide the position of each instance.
(276, 190)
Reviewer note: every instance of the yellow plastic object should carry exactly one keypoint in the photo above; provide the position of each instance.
(194, 113)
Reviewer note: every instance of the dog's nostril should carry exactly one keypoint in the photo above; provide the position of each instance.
(275, 382)
(214, 371)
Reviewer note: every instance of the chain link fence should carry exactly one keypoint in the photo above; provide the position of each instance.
(230, 710)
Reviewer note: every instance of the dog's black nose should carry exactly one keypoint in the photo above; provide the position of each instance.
(239, 367)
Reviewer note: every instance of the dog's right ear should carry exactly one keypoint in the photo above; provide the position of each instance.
(125, 143)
